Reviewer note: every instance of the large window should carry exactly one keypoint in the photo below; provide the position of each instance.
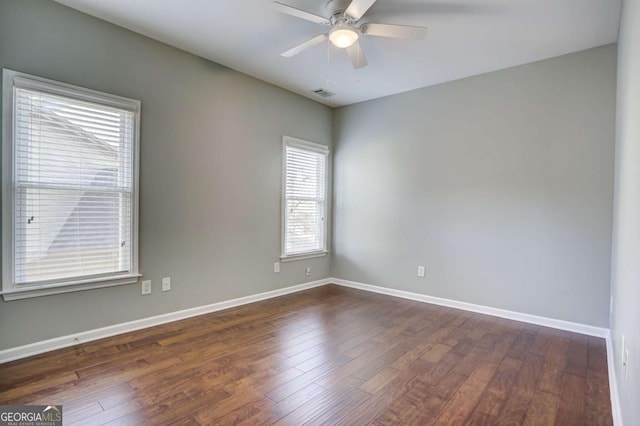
(305, 199)
(69, 184)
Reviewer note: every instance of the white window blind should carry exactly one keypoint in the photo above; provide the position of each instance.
(73, 186)
(305, 181)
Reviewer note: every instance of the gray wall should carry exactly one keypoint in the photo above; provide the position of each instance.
(500, 184)
(625, 315)
(210, 168)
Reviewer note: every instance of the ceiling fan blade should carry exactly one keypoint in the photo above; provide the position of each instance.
(395, 31)
(299, 13)
(304, 46)
(356, 55)
(357, 8)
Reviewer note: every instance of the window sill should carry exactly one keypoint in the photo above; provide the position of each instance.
(303, 256)
(46, 290)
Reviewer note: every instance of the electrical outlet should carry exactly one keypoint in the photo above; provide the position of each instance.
(166, 284)
(308, 271)
(276, 267)
(625, 355)
(610, 305)
(146, 287)
(421, 271)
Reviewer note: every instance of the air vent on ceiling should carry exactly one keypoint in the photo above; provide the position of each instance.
(323, 92)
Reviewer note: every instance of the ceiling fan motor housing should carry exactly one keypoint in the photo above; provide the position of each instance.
(335, 9)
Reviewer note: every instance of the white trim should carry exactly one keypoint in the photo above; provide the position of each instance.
(7, 179)
(616, 411)
(487, 310)
(53, 87)
(67, 287)
(100, 333)
(303, 256)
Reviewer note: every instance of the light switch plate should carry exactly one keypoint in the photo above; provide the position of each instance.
(166, 284)
(146, 287)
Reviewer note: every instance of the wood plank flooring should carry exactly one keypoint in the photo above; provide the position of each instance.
(330, 355)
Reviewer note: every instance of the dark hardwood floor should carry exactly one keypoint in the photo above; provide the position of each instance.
(330, 355)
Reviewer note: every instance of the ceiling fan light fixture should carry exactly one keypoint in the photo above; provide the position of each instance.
(343, 36)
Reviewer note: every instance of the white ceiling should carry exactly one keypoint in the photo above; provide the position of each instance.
(465, 38)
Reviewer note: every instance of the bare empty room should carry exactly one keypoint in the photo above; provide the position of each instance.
(323, 212)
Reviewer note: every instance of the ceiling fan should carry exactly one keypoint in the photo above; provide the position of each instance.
(346, 28)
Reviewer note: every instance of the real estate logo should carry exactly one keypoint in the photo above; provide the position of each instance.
(30, 415)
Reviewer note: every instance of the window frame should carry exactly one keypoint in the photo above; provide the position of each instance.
(288, 141)
(11, 290)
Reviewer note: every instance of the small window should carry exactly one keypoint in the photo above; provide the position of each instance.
(304, 200)
(70, 197)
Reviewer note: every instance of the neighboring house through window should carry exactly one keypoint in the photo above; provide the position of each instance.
(304, 221)
(70, 196)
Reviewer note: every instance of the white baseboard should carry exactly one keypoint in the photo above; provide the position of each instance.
(19, 352)
(487, 310)
(613, 383)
